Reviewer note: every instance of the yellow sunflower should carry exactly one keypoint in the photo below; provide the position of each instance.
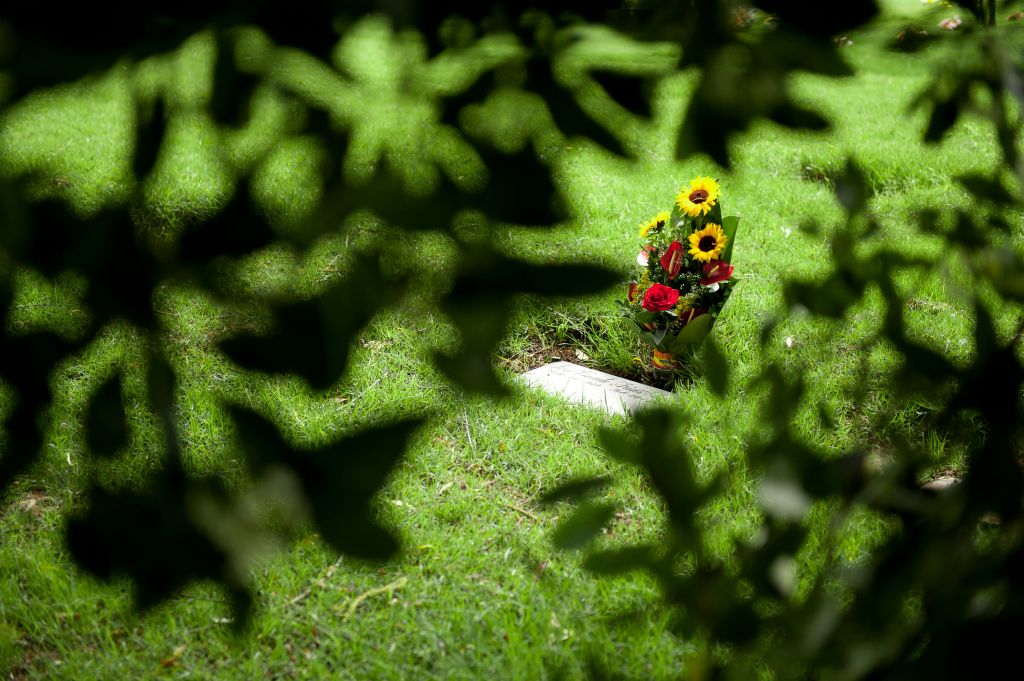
(657, 223)
(707, 244)
(699, 197)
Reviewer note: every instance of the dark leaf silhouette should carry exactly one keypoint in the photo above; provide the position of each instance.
(575, 489)
(584, 524)
(312, 338)
(570, 118)
(105, 422)
(716, 366)
(237, 229)
(818, 20)
(338, 480)
(631, 92)
(150, 128)
(152, 538)
(25, 364)
(618, 561)
(232, 88)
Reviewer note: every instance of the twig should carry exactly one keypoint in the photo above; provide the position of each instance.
(321, 583)
(522, 510)
(389, 588)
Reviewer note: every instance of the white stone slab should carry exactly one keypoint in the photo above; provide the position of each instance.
(588, 386)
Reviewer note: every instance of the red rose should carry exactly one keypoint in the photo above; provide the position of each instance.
(633, 286)
(660, 298)
(715, 271)
(672, 261)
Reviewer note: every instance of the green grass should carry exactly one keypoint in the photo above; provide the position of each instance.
(479, 589)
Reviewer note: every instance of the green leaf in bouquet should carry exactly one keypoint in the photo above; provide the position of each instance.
(645, 335)
(645, 317)
(681, 223)
(692, 334)
(659, 336)
(715, 214)
(729, 226)
(636, 327)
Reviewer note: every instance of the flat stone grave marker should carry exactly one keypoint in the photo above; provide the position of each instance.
(588, 386)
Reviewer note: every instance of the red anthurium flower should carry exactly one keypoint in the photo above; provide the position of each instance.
(644, 254)
(633, 286)
(659, 298)
(715, 271)
(672, 261)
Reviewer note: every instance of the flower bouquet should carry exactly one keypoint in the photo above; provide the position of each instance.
(686, 274)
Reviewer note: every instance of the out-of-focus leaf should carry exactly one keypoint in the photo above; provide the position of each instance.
(520, 190)
(911, 39)
(25, 364)
(105, 248)
(55, 47)
(669, 467)
(716, 367)
(453, 104)
(830, 298)
(619, 561)
(480, 301)
(583, 525)
(339, 480)
(237, 229)
(983, 10)
(968, 233)
(707, 130)
(767, 328)
(783, 497)
(631, 92)
(944, 115)
(1005, 269)
(105, 420)
(771, 564)
(819, 19)
(575, 489)
(989, 188)
(793, 50)
(799, 117)
(152, 538)
(922, 366)
(150, 127)
(312, 338)
(568, 115)
(160, 382)
(510, 178)
(852, 188)
(619, 446)
(232, 90)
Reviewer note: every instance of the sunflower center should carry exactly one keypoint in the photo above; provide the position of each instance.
(707, 244)
(698, 196)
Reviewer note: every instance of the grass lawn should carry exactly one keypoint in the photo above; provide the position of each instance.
(479, 590)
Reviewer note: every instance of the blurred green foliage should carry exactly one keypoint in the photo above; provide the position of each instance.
(942, 596)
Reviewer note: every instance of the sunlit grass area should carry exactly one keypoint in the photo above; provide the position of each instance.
(479, 590)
